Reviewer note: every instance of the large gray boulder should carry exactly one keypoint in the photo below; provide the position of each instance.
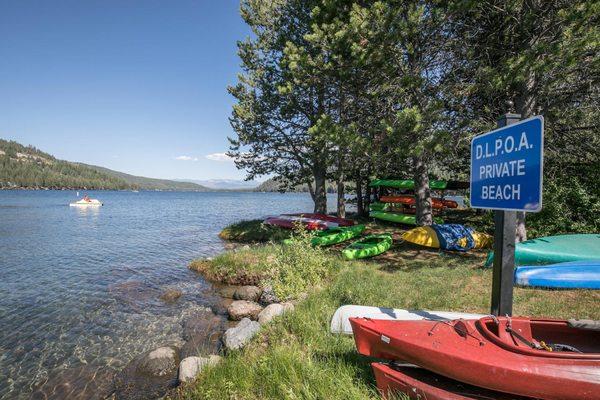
(190, 367)
(271, 311)
(268, 296)
(248, 293)
(237, 337)
(243, 309)
(148, 376)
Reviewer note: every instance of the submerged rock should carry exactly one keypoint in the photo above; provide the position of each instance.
(86, 382)
(249, 293)
(148, 376)
(171, 295)
(241, 309)
(268, 296)
(190, 367)
(202, 334)
(237, 337)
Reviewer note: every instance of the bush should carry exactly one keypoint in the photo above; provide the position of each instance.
(253, 231)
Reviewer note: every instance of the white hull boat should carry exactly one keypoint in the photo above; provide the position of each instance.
(341, 325)
(86, 203)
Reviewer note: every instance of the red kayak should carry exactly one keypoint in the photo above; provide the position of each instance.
(419, 384)
(408, 200)
(309, 221)
(539, 358)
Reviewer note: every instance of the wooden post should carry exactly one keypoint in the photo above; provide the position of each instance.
(504, 248)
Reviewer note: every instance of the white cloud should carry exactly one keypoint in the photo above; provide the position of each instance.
(223, 157)
(186, 158)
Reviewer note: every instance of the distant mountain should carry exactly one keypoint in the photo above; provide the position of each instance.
(150, 183)
(224, 184)
(27, 167)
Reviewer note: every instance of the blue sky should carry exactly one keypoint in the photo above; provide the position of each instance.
(136, 86)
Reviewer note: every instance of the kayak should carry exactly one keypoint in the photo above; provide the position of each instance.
(377, 206)
(540, 358)
(369, 246)
(420, 384)
(292, 222)
(555, 249)
(332, 236)
(340, 322)
(405, 183)
(86, 203)
(569, 275)
(408, 200)
(399, 218)
(428, 237)
(323, 217)
(410, 184)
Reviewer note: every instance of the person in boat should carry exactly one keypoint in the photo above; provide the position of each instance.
(86, 198)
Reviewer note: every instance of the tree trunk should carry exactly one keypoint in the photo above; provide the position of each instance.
(521, 234)
(341, 201)
(320, 197)
(422, 192)
(360, 208)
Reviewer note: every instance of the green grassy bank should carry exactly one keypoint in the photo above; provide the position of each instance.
(296, 357)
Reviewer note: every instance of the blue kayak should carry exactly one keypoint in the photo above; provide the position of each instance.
(567, 275)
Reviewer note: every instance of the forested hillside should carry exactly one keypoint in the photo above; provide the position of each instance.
(27, 167)
(275, 185)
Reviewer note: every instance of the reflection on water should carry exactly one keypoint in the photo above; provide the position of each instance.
(80, 286)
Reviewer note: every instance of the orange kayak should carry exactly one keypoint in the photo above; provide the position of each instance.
(409, 200)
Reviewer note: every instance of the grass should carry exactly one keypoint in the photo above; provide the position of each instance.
(296, 357)
(254, 231)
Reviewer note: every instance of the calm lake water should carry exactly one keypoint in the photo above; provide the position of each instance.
(79, 287)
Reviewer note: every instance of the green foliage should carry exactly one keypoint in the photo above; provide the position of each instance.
(291, 269)
(254, 231)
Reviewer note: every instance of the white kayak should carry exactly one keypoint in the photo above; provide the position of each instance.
(341, 324)
(86, 203)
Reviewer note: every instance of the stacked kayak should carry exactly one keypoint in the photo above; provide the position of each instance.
(448, 237)
(369, 246)
(539, 358)
(310, 221)
(555, 249)
(333, 236)
(568, 275)
(409, 200)
(399, 218)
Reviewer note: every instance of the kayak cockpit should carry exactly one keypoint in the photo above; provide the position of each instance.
(541, 337)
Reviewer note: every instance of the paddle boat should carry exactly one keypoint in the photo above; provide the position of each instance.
(86, 202)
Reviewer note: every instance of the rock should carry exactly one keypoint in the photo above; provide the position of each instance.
(190, 367)
(227, 291)
(270, 312)
(85, 382)
(268, 296)
(287, 306)
(170, 295)
(202, 334)
(248, 293)
(148, 376)
(237, 337)
(241, 309)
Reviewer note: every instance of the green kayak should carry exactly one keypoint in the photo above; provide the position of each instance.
(555, 249)
(336, 235)
(406, 183)
(369, 246)
(399, 218)
(377, 206)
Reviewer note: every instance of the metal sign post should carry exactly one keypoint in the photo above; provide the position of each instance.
(506, 176)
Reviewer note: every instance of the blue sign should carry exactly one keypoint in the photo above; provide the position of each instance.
(507, 165)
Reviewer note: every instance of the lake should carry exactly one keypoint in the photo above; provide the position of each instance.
(79, 288)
